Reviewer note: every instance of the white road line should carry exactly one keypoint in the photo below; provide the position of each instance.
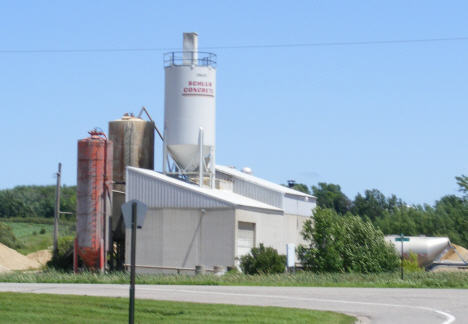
(450, 318)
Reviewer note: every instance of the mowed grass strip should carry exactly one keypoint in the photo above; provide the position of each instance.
(45, 308)
(300, 279)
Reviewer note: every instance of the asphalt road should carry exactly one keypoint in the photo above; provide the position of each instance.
(370, 305)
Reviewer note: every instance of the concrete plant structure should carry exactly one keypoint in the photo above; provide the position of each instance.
(188, 226)
(200, 213)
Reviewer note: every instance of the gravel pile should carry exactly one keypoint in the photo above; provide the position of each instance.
(12, 260)
(42, 256)
(452, 256)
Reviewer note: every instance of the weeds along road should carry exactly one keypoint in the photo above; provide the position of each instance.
(371, 305)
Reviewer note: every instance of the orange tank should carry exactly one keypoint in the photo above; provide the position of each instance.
(93, 195)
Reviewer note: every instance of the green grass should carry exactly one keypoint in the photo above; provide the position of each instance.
(383, 280)
(44, 308)
(31, 239)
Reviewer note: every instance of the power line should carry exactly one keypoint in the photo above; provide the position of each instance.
(88, 50)
(239, 46)
(346, 43)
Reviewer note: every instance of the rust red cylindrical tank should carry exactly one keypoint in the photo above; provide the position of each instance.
(93, 194)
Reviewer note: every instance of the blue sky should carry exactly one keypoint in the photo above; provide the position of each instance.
(389, 116)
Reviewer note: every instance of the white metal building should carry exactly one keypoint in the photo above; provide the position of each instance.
(187, 225)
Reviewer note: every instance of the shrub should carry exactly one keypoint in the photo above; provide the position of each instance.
(8, 238)
(42, 231)
(412, 264)
(263, 260)
(63, 259)
(345, 244)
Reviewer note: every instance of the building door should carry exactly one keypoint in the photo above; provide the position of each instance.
(245, 238)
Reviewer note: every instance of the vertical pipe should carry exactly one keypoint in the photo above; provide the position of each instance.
(212, 168)
(201, 166)
(57, 208)
(165, 157)
(102, 256)
(75, 255)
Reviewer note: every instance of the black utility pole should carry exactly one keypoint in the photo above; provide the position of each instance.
(57, 208)
(132, 265)
(402, 238)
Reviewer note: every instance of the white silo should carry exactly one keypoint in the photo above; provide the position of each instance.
(189, 112)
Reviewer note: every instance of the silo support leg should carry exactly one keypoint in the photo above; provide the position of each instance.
(75, 255)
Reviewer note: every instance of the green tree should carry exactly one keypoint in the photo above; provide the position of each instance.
(375, 205)
(302, 188)
(12, 206)
(35, 201)
(299, 187)
(345, 244)
(462, 182)
(450, 218)
(330, 196)
(263, 260)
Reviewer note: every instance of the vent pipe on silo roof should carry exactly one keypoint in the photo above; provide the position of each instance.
(190, 55)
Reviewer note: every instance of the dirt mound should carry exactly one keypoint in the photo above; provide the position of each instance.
(12, 260)
(452, 256)
(3, 270)
(42, 256)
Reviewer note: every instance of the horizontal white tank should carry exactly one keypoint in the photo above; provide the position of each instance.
(428, 249)
(190, 92)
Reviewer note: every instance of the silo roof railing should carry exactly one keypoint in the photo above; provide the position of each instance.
(189, 58)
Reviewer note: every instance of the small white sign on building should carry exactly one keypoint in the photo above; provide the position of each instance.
(291, 255)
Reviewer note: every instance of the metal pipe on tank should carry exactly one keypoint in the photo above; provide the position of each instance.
(147, 114)
(201, 164)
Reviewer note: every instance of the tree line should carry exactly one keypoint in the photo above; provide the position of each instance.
(35, 201)
(447, 217)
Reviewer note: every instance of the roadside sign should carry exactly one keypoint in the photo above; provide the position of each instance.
(402, 239)
(134, 212)
(141, 211)
(290, 251)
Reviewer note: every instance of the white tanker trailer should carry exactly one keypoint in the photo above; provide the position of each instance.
(430, 250)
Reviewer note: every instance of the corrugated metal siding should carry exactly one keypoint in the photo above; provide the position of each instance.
(295, 205)
(226, 172)
(156, 193)
(223, 176)
(253, 191)
(183, 238)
